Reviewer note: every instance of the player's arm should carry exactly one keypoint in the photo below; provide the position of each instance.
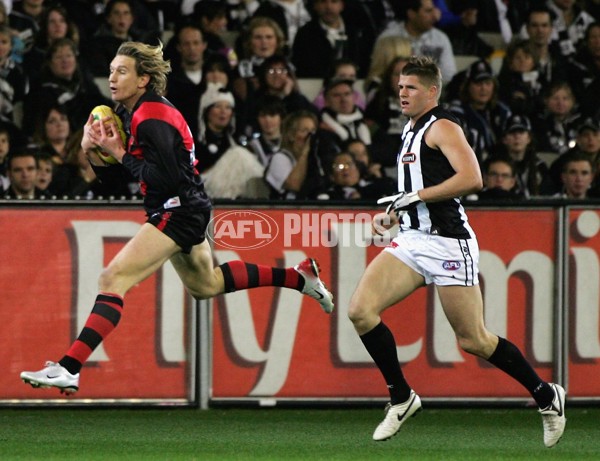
(449, 138)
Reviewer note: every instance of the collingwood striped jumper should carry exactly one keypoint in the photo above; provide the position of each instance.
(420, 166)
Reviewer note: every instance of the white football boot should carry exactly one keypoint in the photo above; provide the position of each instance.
(395, 416)
(553, 417)
(313, 286)
(52, 375)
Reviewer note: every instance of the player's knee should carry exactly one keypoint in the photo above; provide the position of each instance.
(472, 346)
(358, 313)
(107, 279)
(200, 295)
(204, 289)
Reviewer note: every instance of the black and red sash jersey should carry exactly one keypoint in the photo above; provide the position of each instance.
(161, 156)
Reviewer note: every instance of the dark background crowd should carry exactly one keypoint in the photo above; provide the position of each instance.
(521, 77)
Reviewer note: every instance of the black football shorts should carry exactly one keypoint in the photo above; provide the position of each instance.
(184, 228)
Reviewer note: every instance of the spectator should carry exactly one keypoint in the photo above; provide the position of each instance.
(501, 17)
(425, 38)
(239, 12)
(14, 82)
(185, 82)
(216, 126)
(262, 38)
(276, 78)
(587, 144)
(212, 18)
(385, 50)
(328, 37)
(62, 81)
(45, 173)
(118, 27)
(384, 115)
(296, 171)
(378, 13)
(588, 140)
(519, 79)
(216, 70)
(290, 15)
(25, 18)
(342, 68)
(463, 34)
(499, 180)
(54, 24)
(22, 170)
(4, 152)
(265, 139)
(482, 114)
(84, 14)
(517, 143)
(585, 69)
(360, 151)
(52, 130)
(555, 127)
(18, 47)
(569, 23)
(347, 182)
(539, 29)
(341, 119)
(577, 175)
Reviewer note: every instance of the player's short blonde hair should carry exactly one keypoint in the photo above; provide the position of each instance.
(426, 70)
(148, 61)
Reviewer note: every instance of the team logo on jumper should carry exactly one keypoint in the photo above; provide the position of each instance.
(243, 230)
(409, 157)
(451, 265)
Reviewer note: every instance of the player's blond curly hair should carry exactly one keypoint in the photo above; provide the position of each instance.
(148, 61)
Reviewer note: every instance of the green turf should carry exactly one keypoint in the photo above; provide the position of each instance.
(288, 434)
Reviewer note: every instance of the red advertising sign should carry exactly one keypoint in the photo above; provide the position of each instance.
(50, 262)
(278, 343)
(583, 303)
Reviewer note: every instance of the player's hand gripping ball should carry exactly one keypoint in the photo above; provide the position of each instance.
(100, 113)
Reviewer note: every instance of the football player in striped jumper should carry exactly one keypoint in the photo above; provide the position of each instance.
(435, 244)
(159, 152)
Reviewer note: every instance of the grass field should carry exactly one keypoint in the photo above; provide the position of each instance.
(288, 434)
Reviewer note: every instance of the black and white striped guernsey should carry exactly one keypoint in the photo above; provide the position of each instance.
(420, 166)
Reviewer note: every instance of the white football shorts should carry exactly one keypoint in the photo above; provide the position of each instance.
(440, 260)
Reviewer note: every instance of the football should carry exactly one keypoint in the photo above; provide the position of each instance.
(101, 112)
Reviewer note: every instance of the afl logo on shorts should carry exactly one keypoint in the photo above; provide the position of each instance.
(409, 157)
(451, 265)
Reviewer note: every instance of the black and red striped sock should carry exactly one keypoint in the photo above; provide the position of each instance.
(239, 275)
(103, 319)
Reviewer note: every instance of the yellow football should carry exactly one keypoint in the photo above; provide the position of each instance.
(101, 112)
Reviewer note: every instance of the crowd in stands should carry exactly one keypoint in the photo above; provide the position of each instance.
(529, 101)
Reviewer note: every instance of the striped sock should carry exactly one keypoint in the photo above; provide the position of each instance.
(239, 275)
(103, 319)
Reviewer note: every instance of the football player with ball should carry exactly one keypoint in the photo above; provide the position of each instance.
(158, 150)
